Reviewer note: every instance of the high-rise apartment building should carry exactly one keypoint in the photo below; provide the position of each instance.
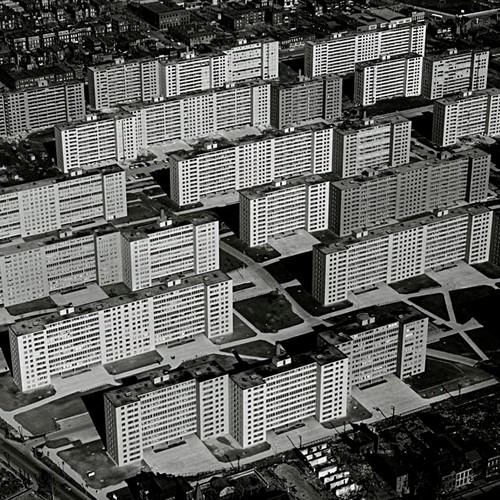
(340, 52)
(40, 107)
(127, 81)
(205, 399)
(387, 77)
(469, 113)
(140, 256)
(96, 140)
(308, 99)
(400, 251)
(49, 204)
(119, 327)
(123, 81)
(239, 165)
(378, 341)
(454, 71)
(372, 200)
(375, 143)
(282, 207)
(168, 247)
(202, 113)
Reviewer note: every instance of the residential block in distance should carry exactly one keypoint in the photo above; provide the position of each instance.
(214, 167)
(205, 399)
(40, 107)
(94, 140)
(49, 204)
(454, 71)
(468, 113)
(399, 251)
(340, 52)
(283, 206)
(74, 338)
(387, 77)
(142, 80)
(306, 99)
(375, 143)
(372, 200)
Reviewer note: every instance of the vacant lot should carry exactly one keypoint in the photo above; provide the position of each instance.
(455, 344)
(12, 398)
(487, 340)
(434, 303)
(91, 457)
(479, 302)
(259, 348)
(229, 263)
(297, 267)
(268, 313)
(414, 285)
(42, 420)
(240, 331)
(488, 269)
(443, 376)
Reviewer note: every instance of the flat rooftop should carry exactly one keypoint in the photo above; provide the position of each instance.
(354, 126)
(386, 60)
(452, 53)
(469, 96)
(342, 243)
(30, 325)
(110, 169)
(93, 118)
(281, 185)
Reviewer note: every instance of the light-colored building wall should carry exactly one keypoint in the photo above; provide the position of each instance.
(341, 51)
(400, 251)
(470, 113)
(117, 328)
(454, 71)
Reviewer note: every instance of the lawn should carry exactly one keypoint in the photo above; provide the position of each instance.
(228, 262)
(269, 313)
(32, 306)
(356, 412)
(311, 305)
(240, 331)
(455, 344)
(91, 457)
(441, 377)
(42, 420)
(11, 398)
(414, 285)
(487, 340)
(297, 267)
(489, 270)
(434, 303)
(479, 302)
(134, 362)
(258, 348)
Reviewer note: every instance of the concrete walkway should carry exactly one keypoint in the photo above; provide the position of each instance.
(454, 358)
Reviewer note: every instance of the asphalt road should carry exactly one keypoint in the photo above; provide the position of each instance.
(20, 456)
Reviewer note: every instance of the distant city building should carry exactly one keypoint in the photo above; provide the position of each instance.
(375, 143)
(371, 200)
(205, 399)
(96, 140)
(469, 113)
(163, 15)
(454, 71)
(41, 107)
(293, 103)
(283, 206)
(400, 251)
(239, 165)
(200, 114)
(140, 256)
(386, 78)
(340, 52)
(120, 327)
(128, 81)
(49, 204)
